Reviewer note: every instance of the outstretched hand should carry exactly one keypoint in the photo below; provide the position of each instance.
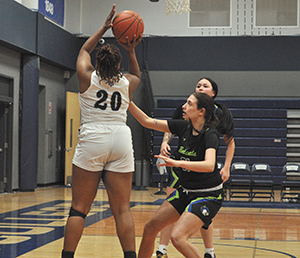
(169, 162)
(108, 23)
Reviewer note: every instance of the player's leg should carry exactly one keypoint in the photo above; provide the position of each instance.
(165, 234)
(186, 226)
(164, 240)
(207, 236)
(165, 215)
(84, 189)
(206, 209)
(173, 184)
(118, 187)
(117, 179)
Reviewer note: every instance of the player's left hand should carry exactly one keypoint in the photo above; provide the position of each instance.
(224, 174)
(131, 44)
(169, 162)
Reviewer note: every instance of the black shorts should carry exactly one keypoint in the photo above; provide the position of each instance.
(205, 205)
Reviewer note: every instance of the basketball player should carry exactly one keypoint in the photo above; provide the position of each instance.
(195, 203)
(104, 149)
(226, 128)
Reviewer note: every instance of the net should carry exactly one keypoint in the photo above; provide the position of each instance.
(177, 6)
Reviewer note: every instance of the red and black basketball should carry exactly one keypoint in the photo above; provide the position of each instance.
(127, 23)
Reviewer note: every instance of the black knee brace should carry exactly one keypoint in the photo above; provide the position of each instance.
(66, 254)
(129, 254)
(74, 212)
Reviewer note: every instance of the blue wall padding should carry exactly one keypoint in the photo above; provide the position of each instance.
(29, 106)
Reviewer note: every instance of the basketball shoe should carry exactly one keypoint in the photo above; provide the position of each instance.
(161, 255)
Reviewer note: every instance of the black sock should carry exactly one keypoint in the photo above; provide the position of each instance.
(129, 254)
(67, 254)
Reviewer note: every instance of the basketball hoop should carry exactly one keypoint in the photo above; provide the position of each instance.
(177, 6)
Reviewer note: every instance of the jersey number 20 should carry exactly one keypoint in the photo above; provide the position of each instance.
(115, 103)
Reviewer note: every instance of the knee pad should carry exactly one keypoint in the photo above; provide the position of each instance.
(129, 254)
(74, 212)
(66, 254)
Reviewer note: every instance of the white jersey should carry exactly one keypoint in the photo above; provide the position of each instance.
(104, 140)
(105, 103)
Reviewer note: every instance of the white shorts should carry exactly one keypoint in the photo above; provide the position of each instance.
(104, 147)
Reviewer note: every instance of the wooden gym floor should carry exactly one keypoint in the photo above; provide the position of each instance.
(32, 225)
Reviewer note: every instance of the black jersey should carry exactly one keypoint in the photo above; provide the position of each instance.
(192, 148)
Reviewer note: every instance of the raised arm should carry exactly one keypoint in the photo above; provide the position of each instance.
(84, 66)
(134, 72)
(146, 121)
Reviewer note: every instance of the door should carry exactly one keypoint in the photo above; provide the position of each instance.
(72, 126)
(6, 134)
(4, 147)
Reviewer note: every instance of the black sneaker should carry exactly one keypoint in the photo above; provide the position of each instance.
(207, 255)
(161, 255)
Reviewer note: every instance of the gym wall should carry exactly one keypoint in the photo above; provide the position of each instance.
(243, 66)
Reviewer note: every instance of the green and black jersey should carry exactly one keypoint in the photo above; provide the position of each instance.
(192, 148)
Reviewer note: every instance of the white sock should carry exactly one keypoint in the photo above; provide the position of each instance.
(163, 249)
(210, 251)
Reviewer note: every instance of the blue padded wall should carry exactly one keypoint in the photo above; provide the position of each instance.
(29, 104)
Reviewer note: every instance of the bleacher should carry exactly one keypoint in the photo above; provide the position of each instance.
(260, 131)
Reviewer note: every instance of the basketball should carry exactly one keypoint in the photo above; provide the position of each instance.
(127, 23)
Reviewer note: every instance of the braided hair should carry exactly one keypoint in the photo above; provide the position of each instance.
(108, 59)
